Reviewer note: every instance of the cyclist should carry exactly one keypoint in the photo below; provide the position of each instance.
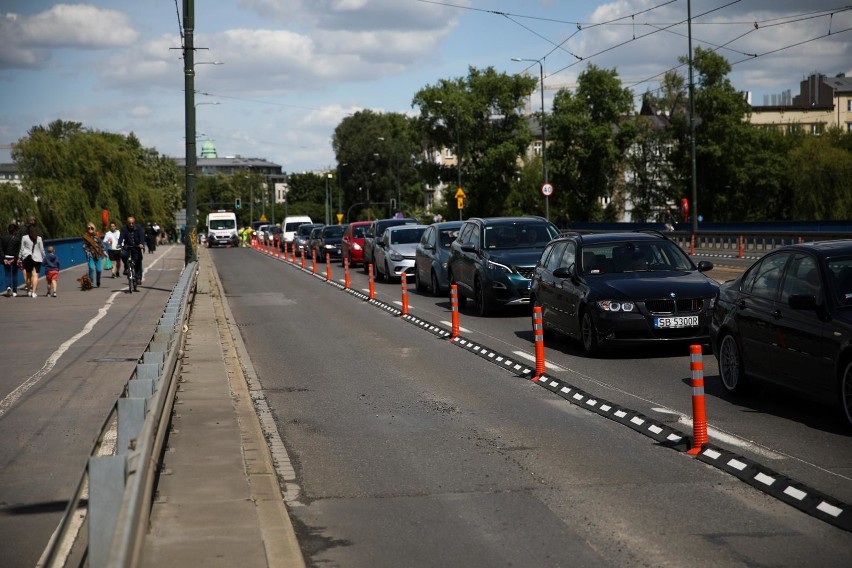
(132, 244)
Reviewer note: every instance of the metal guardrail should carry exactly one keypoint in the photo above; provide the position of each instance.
(120, 486)
(751, 242)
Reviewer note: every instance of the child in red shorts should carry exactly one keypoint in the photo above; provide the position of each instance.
(51, 271)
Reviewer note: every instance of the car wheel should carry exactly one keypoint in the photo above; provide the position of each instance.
(452, 281)
(846, 393)
(418, 284)
(545, 332)
(731, 369)
(589, 335)
(480, 304)
(436, 288)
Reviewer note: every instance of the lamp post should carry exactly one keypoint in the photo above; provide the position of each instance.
(327, 212)
(543, 128)
(458, 149)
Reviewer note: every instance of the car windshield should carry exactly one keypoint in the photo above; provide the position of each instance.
(518, 235)
(447, 236)
(652, 256)
(222, 224)
(406, 236)
(840, 272)
(333, 231)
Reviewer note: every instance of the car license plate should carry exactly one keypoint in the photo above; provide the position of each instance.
(673, 322)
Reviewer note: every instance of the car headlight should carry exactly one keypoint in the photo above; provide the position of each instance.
(616, 306)
(491, 265)
(329, 247)
(395, 256)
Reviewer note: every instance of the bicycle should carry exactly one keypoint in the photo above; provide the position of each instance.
(130, 264)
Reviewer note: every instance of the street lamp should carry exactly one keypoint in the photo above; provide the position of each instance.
(458, 149)
(543, 128)
(327, 212)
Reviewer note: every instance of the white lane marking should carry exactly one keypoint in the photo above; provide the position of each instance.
(33, 380)
(528, 357)
(722, 436)
(450, 324)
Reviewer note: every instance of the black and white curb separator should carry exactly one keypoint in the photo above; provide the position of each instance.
(785, 489)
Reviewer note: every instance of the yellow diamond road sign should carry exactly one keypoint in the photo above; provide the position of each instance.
(460, 194)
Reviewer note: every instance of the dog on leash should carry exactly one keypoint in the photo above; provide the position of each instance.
(85, 282)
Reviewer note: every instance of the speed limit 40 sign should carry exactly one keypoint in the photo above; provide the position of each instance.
(547, 190)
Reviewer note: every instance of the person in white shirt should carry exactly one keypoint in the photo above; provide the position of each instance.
(111, 242)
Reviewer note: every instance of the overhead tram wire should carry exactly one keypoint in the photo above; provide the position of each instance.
(180, 24)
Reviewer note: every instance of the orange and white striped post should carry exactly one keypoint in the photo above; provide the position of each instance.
(692, 243)
(404, 279)
(740, 252)
(303, 257)
(372, 280)
(328, 267)
(293, 253)
(454, 306)
(699, 414)
(538, 334)
(346, 281)
(313, 261)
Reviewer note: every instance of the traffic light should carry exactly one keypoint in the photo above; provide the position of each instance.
(237, 203)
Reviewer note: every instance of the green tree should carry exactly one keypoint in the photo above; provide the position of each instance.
(589, 143)
(820, 174)
(483, 112)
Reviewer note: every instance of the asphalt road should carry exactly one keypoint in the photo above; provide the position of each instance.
(411, 451)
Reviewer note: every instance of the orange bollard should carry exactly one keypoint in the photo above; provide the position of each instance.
(346, 281)
(404, 279)
(538, 333)
(699, 414)
(740, 254)
(313, 261)
(454, 305)
(372, 282)
(328, 266)
(303, 257)
(293, 251)
(692, 244)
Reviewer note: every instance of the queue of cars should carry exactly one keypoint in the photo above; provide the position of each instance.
(787, 320)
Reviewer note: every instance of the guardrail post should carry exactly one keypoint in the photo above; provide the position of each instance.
(346, 281)
(699, 413)
(403, 279)
(131, 415)
(538, 333)
(106, 490)
(454, 306)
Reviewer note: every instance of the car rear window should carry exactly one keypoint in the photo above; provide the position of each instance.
(518, 235)
(333, 231)
(447, 236)
(358, 232)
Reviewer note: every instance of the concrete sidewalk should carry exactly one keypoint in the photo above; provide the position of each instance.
(218, 501)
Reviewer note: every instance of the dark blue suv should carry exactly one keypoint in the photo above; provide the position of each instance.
(493, 259)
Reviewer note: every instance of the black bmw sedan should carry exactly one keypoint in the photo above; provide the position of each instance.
(611, 289)
(787, 320)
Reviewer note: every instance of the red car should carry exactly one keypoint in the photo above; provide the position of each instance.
(352, 246)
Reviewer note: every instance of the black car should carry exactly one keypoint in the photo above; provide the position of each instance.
(612, 289)
(303, 235)
(329, 242)
(373, 237)
(493, 258)
(787, 320)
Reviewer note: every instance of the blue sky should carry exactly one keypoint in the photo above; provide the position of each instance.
(293, 69)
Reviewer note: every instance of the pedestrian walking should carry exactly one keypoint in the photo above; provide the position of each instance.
(151, 238)
(32, 255)
(10, 243)
(113, 251)
(51, 271)
(93, 246)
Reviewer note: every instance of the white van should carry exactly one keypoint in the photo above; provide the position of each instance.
(290, 224)
(222, 228)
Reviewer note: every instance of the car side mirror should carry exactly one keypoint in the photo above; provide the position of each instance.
(428, 246)
(564, 272)
(705, 265)
(468, 248)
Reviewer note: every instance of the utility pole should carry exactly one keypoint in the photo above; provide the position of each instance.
(190, 240)
(692, 122)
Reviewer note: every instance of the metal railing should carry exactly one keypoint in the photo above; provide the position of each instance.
(115, 490)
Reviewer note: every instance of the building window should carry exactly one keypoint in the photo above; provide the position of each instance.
(448, 153)
(817, 128)
(849, 105)
(849, 127)
(537, 148)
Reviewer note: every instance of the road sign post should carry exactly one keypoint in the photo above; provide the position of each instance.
(460, 197)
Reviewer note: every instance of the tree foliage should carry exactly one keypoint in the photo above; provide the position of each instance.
(71, 173)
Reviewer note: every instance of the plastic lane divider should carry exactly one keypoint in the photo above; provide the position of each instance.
(372, 279)
(404, 284)
(538, 332)
(454, 305)
(699, 413)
